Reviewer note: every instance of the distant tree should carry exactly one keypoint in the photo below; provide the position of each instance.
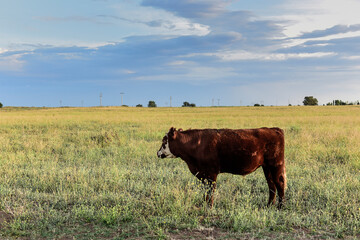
(258, 105)
(152, 104)
(341, 103)
(1, 105)
(310, 101)
(187, 104)
(139, 105)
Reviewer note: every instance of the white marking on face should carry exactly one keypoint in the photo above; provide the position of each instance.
(165, 150)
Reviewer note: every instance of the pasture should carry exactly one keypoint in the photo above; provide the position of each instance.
(93, 173)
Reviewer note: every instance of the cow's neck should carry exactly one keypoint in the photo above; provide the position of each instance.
(182, 146)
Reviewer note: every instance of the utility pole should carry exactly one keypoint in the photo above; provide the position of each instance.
(212, 102)
(170, 100)
(122, 97)
(101, 99)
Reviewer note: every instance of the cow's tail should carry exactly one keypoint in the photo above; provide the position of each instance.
(285, 177)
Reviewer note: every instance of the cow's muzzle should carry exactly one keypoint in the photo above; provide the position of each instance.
(161, 155)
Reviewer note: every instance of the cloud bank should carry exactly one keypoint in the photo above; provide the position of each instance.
(207, 49)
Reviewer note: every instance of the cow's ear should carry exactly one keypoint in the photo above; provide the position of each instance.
(172, 133)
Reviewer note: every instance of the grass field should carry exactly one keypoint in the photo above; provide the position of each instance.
(93, 173)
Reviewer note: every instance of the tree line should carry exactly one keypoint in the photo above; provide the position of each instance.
(308, 101)
(153, 104)
(340, 102)
(311, 101)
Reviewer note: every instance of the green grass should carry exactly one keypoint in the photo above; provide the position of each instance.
(93, 173)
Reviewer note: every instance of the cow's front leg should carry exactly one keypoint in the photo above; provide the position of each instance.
(210, 186)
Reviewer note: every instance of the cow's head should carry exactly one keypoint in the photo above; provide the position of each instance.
(164, 151)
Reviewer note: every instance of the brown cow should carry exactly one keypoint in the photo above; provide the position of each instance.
(208, 152)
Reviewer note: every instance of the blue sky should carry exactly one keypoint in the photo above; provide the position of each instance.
(235, 52)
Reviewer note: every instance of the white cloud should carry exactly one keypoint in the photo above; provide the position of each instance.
(70, 56)
(2, 50)
(297, 41)
(95, 45)
(158, 21)
(310, 15)
(177, 63)
(127, 71)
(246, 55)
(12, 63)
(355, 57)
(185, 27)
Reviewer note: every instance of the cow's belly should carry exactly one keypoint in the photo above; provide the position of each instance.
(241, 165)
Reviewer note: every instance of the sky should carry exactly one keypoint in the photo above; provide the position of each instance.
(207, 52)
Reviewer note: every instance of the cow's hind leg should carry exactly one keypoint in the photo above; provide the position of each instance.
(279, 177)
(271, 184)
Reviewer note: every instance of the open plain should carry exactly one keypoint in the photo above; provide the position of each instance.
(93, 173)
